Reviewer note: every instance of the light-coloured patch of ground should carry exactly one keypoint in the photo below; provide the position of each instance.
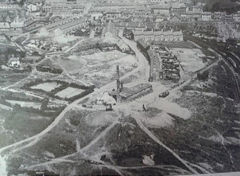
(166, 106)
(26, 104)
(160, 120)
(57, 36)
(101, 118)
(100, 68)
(125, 61)
(73, 63)
(103, 57)
(173, 108)
(39, 118)
(148, 160)
(69, 92)
(190, 59)
(61, 38)
(3, 167)
(47, 86)
(4, 107)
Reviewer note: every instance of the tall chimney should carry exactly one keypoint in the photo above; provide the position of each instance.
(118, 79)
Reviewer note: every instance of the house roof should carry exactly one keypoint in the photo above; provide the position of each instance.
(14, 59)
(128, 92)
(106, 98)
(4, 25)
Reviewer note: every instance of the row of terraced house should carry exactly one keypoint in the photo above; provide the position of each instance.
(165, 36)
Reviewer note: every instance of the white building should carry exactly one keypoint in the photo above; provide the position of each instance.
(236, 17)
(106, 99)
(4, 26)
(14, 62)
(35, 2)
(96, 15)
(32, 8)
(64, 9)
(206, 16)
(17, 23)
(156, 1)
(161, 11)
(6, 6)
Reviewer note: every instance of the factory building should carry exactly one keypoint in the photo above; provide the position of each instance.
(124, 94)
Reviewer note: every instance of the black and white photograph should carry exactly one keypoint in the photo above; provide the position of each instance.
(119, 87)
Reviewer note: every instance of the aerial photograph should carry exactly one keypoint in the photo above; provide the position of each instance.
(119, 87)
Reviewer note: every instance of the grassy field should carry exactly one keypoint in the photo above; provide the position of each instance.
(18, 111)
(76, 130)
(10, 77)
(46, 86)
(15, 123)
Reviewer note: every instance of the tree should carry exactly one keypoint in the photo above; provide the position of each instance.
(44, 104)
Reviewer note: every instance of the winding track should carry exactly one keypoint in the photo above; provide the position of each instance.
(81, 151)
(34, 139)
(152, 136)
(144, 69)
(140, 124)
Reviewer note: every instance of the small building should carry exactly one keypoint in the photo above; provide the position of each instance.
(132, 93)
(63, 9)
(178, 10)
(155, 1)
(236, 17)
(96, 15)
(123, 94)
(161, 11)
(217, 16)
(32, 8)
(206, 16)
(106, 99)
(8, 6)
(14, 62)
(35, 2)
(111, 16)
(4, 26)
(237, 108)
(17, 24)
(228, 18)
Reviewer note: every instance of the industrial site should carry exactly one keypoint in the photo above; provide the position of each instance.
(130, 88)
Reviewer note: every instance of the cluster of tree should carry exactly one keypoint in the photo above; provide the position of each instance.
(230, 6)
(20, 2)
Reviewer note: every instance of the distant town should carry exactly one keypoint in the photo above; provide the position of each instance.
(107, 87)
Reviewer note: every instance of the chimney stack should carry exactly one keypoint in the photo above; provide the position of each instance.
(118, 79)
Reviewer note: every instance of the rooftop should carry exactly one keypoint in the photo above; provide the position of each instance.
(128, 92)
